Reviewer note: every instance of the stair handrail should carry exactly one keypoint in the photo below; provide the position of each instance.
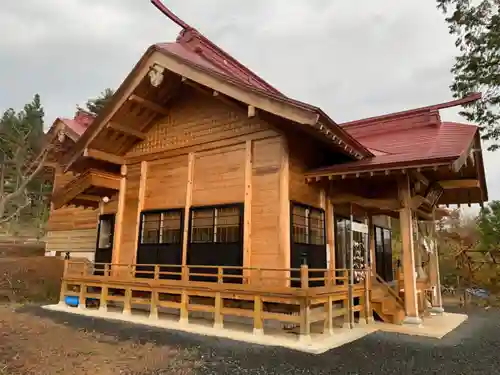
(391, 291)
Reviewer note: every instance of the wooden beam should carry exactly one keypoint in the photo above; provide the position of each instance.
(387, 204)
(149, 105)
(247, 215)
(420, 177)
(103, 156)
(459, 184)
(126, 130)
(90, 198)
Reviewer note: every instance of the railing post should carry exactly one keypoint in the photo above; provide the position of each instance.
(219, 275)
(62, 294)
(184, 313)
(185, 273)
(218, 319)
(66, 266)
(153, 312)
(368, 304)
(258, 324)
(157, 272)
(82, 298)
(103, 303)
(127, 303)
(328, 328)
(304, 276)
(305, 313)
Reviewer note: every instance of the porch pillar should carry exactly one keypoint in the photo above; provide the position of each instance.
(117, 240)
(435, 279)
(409, 276)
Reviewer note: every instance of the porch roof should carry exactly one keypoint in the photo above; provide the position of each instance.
(87, 189)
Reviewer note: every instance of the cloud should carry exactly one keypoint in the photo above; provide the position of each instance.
(354, 58)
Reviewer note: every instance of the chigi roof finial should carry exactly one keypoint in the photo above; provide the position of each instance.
(162, 8)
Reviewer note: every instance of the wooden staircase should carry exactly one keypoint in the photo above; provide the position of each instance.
(386, 302)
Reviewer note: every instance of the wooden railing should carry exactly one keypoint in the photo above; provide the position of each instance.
(295, 296)
(393, 292)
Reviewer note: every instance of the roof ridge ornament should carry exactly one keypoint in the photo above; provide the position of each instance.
(167, 12)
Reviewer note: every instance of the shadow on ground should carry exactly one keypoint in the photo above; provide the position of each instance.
(471, 349)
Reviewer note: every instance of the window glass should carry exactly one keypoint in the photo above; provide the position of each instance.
(105, 233)
(308, 225)
(151, 228)
(216, 225)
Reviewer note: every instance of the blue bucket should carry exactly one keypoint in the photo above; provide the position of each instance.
(71, 301)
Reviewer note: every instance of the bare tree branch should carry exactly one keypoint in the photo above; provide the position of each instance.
(27, 202)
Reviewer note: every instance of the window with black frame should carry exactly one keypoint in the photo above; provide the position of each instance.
(308, 225)
(308, 240)
(216, 239)
(160, 242)
(104, 247)
(383, 253)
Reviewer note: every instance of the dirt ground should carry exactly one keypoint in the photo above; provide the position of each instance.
(30, 344)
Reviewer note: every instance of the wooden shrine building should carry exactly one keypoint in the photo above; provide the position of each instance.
(201, 180)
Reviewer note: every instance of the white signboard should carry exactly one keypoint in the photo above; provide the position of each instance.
(359, 227)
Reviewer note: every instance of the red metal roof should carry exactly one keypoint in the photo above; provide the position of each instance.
(409, 142)
(79, 123)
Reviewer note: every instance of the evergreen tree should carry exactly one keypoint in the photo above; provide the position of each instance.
(22, 159)
(476, 25)
(95, 105)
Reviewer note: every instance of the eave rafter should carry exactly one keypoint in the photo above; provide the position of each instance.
(103, 156)
(152, 106)
(126, 130)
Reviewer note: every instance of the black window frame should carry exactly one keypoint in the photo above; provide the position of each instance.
(214, 239)
(309, 229)
(144, 214)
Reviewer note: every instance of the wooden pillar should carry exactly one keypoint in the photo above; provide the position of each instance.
(140, 204)
(247, 225)
(330, 233)
(408, 255)
(435, 277)
(187, 208)
(371, 245)
(284, 219)
(117, 241)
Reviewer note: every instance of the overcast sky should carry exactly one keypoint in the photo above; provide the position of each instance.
(353, 59)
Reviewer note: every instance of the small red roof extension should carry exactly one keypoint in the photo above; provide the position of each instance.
(408, 138)
(79, 123)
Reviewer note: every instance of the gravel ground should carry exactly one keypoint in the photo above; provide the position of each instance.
(471, 349)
